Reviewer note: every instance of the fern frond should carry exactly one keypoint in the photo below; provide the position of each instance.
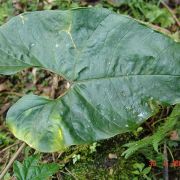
(157, 137)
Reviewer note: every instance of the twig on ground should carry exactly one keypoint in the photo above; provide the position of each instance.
(6, 157)
(170, 152)
(5, 149)
(65, 173)
(149, 127)
(53, 157)
(34, 73)
(160, 173)
(60, 154)
(54, 86)
(4, 108)
(13, 93)
(11, 161)
(59, 177)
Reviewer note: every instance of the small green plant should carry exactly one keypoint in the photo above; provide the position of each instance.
(7, 176)
(151, 12)
(93, 147)
(141, 172)
(145, 10)
(31, 169)
(76, 157)
(156, 15)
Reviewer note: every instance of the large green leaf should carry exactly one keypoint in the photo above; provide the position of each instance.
(118, 69)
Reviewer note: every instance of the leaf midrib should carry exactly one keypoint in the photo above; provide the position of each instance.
(122, 76)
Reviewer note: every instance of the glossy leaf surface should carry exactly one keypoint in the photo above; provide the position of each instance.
(118, 69)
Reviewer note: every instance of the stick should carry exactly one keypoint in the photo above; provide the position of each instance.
(54, 86)
(53, 157)
(5, 149)
(11, 161)
(165, 174)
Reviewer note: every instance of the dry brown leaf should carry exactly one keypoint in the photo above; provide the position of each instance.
(4, 108)
(3, 87)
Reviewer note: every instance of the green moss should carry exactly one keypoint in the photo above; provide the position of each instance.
(98, 165)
